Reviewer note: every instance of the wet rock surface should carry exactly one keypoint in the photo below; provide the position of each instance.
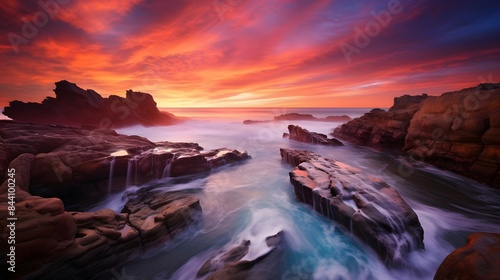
(367, 206)
(66, 163)
(74, 106)
(479, 259)
(55, 244)
(300, 134)
(231, 264)
(79, 165)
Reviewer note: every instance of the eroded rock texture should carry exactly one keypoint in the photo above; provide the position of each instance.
(479, 259)
(457, 131)
(367, 206)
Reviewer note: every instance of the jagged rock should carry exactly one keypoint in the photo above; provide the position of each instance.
(479, 259)
(230, 264)
(367, 206)
(300, 134)
(74, 106)
(457, 131)
(381, 129)
(302, 117)
(218, 262)
(75, 164)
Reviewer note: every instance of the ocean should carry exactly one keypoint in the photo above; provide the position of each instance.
(254, 199)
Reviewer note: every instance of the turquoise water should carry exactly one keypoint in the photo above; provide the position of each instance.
(254, 199)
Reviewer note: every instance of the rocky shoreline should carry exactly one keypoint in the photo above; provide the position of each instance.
(62, 170)
(54, 163)
(457, 131)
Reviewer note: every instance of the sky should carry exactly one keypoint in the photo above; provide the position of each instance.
(249, 53)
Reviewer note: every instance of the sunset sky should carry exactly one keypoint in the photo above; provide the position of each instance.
(249, 53)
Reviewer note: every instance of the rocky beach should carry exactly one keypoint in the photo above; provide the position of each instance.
(89, 200)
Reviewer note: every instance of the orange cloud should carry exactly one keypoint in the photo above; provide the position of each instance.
(251, 53)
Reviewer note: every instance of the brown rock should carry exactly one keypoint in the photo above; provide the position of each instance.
(479, 259)
(367, 206)
(229, 264)
(75, 164)
(457, 131)
(300, 134)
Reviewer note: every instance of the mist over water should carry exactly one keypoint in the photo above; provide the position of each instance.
(254, 199)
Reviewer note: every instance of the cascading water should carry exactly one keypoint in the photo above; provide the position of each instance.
(247, 200)
(111, 170)
(168, 167)
(131, 172)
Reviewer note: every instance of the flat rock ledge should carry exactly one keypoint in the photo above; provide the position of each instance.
(365, 205)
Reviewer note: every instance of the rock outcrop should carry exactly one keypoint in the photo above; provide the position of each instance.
(479, 259)
(380, 128)
(74, 106)
(232, 265)
(79, 165)
(52, 243)
(76, 164)
(302, 117)
(457, 131)
(367, 206)
(303, 135)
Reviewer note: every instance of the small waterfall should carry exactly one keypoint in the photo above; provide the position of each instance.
(168, 167)
(111, 169)
(131, 169)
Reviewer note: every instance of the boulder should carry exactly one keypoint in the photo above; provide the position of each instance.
(479, 259)
(74, 106)
(231, 264)
(300, 134)
(365, 205)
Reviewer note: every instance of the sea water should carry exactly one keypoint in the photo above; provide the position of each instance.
(254, 199)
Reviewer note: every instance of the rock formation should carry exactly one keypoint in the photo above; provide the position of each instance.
(79, 165)
(381, 129)
(300, 134)
(52, 243)
(367, 206)
(302, 117)
(479, 259)
(458, 131)
(231, 265)
(74, 106)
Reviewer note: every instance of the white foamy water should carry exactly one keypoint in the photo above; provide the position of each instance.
(254, 199)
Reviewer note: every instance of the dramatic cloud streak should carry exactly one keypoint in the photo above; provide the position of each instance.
(256, 53)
